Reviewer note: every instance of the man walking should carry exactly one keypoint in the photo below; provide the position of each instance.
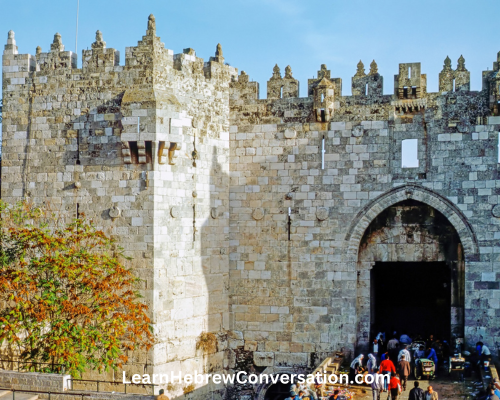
(404, 351)
(431, 394)
(416, 393)
(376, 348)
(392, 344)
(162, 395)
(404, 371)
(377, 384)
(386, 368)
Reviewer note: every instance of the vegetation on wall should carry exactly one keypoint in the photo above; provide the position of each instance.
(66, 297)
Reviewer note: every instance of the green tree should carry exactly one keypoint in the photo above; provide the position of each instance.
(65, 296)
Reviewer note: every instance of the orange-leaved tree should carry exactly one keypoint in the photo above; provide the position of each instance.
(66, 298)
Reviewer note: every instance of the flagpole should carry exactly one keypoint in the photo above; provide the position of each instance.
(76, 36)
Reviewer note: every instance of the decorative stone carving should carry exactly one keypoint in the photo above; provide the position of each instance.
(214, 213)
(196, 122)
(114, 212)
(495, 211)
(276, 72)
(373, 68)
(99, 42)
(461, 64)
(322, 213)
(57, 43)
(290, 133)
(360, 72)
(151, 24)
(175, 212)
(258, 214)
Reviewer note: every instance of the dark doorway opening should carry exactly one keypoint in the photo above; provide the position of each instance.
(411, 296)
(278, 391)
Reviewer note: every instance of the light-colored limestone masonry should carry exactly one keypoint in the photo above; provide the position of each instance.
(261, 220)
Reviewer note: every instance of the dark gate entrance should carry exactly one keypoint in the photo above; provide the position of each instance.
(411, 296)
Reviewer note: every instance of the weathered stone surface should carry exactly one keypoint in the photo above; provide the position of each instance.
(235, 218)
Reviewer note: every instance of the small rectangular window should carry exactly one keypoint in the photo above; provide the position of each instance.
(134, 152)
(409, 153)
(366, 90)
(323, 153)
(405, 92)
(409, 72)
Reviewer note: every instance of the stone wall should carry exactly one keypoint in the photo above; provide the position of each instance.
(143, 149)
(34, 381)
(302, 194)
(244, 216)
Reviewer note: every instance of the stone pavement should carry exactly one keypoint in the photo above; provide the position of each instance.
(446, 389)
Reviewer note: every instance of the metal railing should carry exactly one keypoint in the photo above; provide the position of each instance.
(44, 392)
(144, 385)
(61, 368)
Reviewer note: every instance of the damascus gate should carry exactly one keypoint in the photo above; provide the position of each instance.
(287, 227)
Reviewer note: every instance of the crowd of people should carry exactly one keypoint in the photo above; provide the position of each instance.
(393, 359)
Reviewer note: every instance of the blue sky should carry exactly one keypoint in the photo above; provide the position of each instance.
(256, 34)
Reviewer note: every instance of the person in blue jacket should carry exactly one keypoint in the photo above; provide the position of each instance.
(431, 355)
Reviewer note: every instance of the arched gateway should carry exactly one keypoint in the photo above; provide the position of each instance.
(410, 246)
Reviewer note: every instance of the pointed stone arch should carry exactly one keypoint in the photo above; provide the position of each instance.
(418, 193)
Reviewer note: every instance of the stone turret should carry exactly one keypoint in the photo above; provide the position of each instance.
(446, 77)
(454, 80)
(57, 44)
(10, 47)
(491, 83)
(367, 85)
(278, 87)
(462, 76)
(410, 83)
(99, 58)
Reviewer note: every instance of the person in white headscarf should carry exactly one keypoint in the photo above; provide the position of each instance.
(356, 364)
(406, 353)
(372, 363)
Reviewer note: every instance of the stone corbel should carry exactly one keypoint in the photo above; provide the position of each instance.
(171, 152)
(127, 156)
(161, 156)
(141, 151)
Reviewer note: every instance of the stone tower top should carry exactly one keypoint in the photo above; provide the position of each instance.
(151, 26)
(57, 43)
(10, 47)
(99, 42)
